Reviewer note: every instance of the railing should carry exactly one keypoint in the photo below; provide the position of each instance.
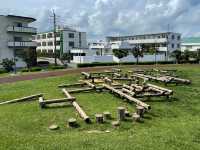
(22, 29)
(22, 44)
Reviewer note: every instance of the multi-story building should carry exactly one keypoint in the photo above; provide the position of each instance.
(16, 37)
(191, 44)
(163, 42)
(101, 51)
(66, 39)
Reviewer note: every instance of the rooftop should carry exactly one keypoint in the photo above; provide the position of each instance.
(191, 40)
(140, 35)
(22, 17)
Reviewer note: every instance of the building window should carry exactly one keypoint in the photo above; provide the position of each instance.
(19, 53)
(38, 44)
(71, 44)
(71, 35)
(50, 35)
(44, 36)
(50, 51)
(57, 42)
(19, 24)
(172, 45)
(178, 45)
(50, 43)
(173, 37)
(38, 37)
(33, 37)
(17, 39)
(179, 37)
(44, 44)
(57, 34)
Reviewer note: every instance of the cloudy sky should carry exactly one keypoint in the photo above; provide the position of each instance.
(100, 18)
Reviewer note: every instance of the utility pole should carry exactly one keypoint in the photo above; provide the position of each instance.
(54, 24)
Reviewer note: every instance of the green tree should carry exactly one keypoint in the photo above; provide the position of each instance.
(137, 53)
(120, 53)
(177, 55)
(66, 56)
(8, 64)
(30, 57)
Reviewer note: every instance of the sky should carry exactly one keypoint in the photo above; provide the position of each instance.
(100, 18)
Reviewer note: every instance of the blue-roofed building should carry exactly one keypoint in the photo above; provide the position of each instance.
(191, 44)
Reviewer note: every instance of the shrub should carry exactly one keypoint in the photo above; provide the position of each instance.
(8, 64)
(25, 70)
(3, 71)
(56, 67)
(35, 69)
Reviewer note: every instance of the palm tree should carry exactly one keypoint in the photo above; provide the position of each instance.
(177, 55)
(137, 53)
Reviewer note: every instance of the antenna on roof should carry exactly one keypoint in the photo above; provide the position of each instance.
(168, 28)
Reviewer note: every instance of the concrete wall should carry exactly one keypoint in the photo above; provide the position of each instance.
(91, 59)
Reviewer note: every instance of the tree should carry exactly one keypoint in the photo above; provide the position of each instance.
(137, 52)
(8, 64)
(177, 55)
(66, 56)
(120, 53)
(30, 57)
(186, 55)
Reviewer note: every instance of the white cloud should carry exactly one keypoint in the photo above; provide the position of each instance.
(113, 17)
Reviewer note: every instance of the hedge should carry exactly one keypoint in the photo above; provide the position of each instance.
(122, 63)
(56, 67)
(3, 71)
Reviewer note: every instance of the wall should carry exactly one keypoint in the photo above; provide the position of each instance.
(91, 59)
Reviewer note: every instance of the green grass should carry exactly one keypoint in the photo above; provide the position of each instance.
(170, 125)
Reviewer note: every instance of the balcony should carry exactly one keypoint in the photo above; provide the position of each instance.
(22, 44)
(29, 30)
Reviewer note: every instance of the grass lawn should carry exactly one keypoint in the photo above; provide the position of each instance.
(170, 125)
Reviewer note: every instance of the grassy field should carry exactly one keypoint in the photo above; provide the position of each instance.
(171, 124)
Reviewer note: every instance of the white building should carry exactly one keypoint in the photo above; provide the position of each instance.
(66, 39)
(16, 37)
(163, 42)
(191, 44)
(101, 51)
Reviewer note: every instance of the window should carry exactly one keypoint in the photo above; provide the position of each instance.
(19, 24)
(19, 52)
(39, 44)
(57, 42)
(179, 37)
(44, 44)
(71, 35)
(44, 36)
(50, 35)
(172, 45)
(173, 37)
(38, 37)
(50, 51)
(50, 43)
(17, 39)
(33, 37)
(71, 44)
(58, 34)
(178, 45)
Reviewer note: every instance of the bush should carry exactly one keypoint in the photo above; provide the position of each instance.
(3, 71)
(56, 67)
(35, 69)
(96, 64)
(25, 70)
(8, 64)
